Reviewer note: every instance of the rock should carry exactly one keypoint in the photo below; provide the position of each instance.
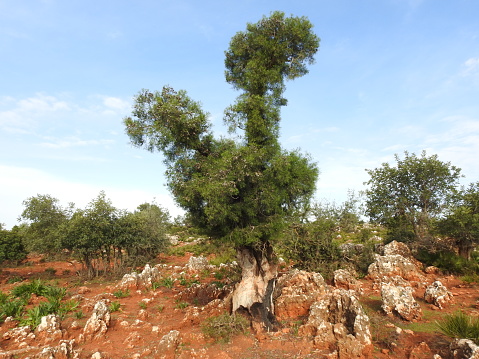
(437, 294)
(168, 344)
(395, 248)
(421, 351)
(49, 329)
(394, 265)
(295, 292)
(135, 280)
(345, 279)
(351, 249)
(19, 334)
(432, 270)
(338, 319)
(97, 325)
(197, 264)
(143, 314)
(464, 349)
(398, 300)
(64, 350)
(96, 355)
(174, 240)
(133, 339)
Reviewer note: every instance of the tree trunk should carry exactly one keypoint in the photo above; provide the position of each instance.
(254, 294)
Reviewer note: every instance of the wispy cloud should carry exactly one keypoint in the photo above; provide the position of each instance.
(74, 142)
(471, 67)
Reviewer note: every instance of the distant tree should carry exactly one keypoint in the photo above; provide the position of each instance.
(106, 239)
(241, 191)
(142, 234)
(90, 233)
(11, 245)
(43, 216)
(462, 222)
(408, 197)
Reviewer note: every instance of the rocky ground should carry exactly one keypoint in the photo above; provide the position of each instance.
(160, 312)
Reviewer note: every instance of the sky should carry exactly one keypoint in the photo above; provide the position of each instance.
(390, 76)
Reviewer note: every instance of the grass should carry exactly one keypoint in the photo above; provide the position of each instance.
(461, 326)
(115, 306)
(221, 328)
(167, 282)
(121, 293)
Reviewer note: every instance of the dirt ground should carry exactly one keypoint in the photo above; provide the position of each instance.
(129, 336)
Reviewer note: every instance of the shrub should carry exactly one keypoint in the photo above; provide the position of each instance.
(461, 326)
(115, 306)
(221, 328)
(121, 293)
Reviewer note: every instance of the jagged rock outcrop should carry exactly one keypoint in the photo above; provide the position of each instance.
(398, 300)
(136, 280)
(168, 344)
(464, 349)
(97, 325)
(394, 265)
(437, 294)
(64, 350)
(343, 278)
(338, 320)
(49, 329)
(197, 264)
(395, 247)
(295, 292)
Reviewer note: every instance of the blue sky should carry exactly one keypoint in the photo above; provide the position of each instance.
(390, 76)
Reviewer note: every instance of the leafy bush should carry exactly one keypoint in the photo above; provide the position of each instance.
(221, 328)
(461, 326)
(11, 246)
(449, 262)
(121, 293)
(115, 306)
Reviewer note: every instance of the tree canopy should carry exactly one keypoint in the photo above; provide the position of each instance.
(405, 198)
(236, 190)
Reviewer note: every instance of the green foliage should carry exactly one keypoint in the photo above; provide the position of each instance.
(181, 305)
(167, 282)
(102, 234)
(221, 328)
(408, 197)
(121, 293)
(115, 306)
(44, 217)
(311, 245)
(461, 326)
(12, 307)
(449, 262)
(14, 279)
(79, 314)
(11, 245)
(462, 222)
(238, 191)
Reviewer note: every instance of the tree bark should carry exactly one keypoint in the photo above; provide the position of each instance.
(254, 294)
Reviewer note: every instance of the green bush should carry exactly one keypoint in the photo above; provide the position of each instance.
(11, 246)
(221, 328)
(449, 262)
(461, 326)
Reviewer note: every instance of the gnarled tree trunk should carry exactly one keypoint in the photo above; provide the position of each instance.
(254, 294)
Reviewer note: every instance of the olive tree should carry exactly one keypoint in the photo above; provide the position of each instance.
(240, 191)
(406, 198)
(462, 222)
(43, 216)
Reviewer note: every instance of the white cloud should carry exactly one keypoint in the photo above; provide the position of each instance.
(116, 103)
(18, 183)
(74, 142)
(471, 67)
